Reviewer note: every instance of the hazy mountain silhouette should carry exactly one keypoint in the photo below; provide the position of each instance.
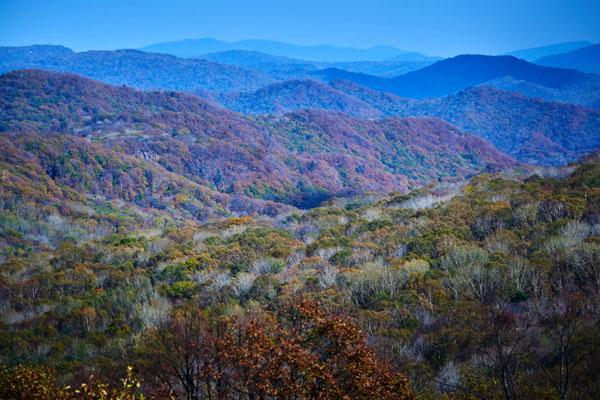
(136, 68)
(534, 53)
(586, 59)
(323, 52)
(457, 73)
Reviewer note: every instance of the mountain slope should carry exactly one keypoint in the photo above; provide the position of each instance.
(414, 148)
(135, 68)
(585, 92)
(77, 189)
(585, 59)
(293, 95)
(411, 270)
(328, 53)
(299, 158)
(454, 74)
(535, 53)
(531, 130)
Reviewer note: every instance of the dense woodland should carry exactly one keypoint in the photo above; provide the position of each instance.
(331, 241)
(489, 290)
(300, 158)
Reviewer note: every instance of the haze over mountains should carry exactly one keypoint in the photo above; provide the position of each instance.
(327, 53)
(285, 67)
(331, 53)
(494, 97)
(451, 75)
(585, 59)
(135, 68)
(536, 53)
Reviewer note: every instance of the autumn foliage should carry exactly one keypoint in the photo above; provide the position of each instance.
(304, 353)
(38, 383)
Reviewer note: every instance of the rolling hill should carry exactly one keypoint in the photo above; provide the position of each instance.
(136, 69)
(299, 158)
(531, 130)
(585, 59)
(283, 97)
(452, 75)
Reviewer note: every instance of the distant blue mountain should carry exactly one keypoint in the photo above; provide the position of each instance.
(286, 68)
(329, 53)
(535, 53)
(454, 74)
(586, 59)
(277, 66)
(136, 68)
(413, 56)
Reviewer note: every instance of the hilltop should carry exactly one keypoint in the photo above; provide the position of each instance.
(454, 74)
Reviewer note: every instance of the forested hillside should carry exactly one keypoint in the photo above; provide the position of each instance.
(489, 289)
(299, 159)
(135, 68)
(292, 95)
(530, 130)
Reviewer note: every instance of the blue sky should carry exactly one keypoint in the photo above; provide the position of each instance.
(435, 27)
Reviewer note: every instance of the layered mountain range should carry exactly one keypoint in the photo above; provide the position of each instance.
(261, 220)
(300, 158)
(135, 68)
(244, 71)
(531, 130)
(323, 52)
(585, 59)
(454, 74)
(238, 122)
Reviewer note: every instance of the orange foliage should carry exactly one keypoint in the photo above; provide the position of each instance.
(311, 355)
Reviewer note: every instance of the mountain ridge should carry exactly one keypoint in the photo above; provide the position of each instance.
(298, 158)
(297, 94)
(534, 53)
(452, 75)
(196, 47)
(491, 113)
(135, 68)
(586, 59)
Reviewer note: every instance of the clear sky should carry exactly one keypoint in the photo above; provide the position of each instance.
(435, 27)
